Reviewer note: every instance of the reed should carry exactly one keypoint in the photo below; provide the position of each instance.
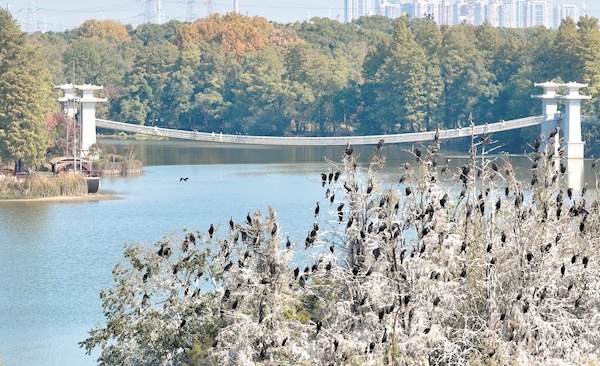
(41, 186)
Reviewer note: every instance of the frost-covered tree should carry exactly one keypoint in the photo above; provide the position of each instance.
(429, 265)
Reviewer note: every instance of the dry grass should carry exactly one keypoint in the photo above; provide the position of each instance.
(41, 186)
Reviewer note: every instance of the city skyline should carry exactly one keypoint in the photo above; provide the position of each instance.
(60, 15)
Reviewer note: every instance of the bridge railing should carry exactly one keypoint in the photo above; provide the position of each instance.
(313, 141)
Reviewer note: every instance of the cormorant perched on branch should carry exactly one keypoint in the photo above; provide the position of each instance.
(336, 176)
(349, 149)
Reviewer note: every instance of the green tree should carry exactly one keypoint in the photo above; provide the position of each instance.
(427, 34)
(53, 45)
(262, 95)
(564, 52)
(216, 73)
(400, 103)
(144, 85)
(96, 61)
(25, 86)
(153, 34)
(589, 58)
(469, 87)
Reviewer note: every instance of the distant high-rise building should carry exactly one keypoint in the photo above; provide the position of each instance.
(499, 13)
(540, 13)
(565, 11)
(389, 10)
(463, 12)
(355, 9)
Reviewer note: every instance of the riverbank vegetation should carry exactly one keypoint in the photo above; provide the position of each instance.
(42, 186)
(26, 97)
(235, 74)
(427, 266)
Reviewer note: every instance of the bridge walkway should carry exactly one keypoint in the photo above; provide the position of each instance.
(310, 141)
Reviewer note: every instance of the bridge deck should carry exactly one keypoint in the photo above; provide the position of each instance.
(306, 141)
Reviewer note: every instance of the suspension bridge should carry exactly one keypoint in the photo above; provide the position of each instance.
(567, 122)
(314, 141)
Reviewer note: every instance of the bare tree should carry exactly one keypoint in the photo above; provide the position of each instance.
(432, 266)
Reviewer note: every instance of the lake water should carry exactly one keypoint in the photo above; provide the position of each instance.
(55, 257)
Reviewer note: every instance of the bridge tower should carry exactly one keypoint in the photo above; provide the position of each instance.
(571, 122)
(549, 106)
(68, 100)
(83, 109)
(87, 104)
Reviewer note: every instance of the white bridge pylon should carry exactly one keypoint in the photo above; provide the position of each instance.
(570, 123)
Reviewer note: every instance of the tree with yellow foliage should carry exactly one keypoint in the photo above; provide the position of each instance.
(237, 33)
(103, 29)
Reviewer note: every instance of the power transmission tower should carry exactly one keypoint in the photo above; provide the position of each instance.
(209, 7)
(30, 22)
(148, 10)
(190, 7)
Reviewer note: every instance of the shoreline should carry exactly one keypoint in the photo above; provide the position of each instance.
(83, 198)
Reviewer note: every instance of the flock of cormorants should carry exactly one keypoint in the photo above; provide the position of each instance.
(377, 255)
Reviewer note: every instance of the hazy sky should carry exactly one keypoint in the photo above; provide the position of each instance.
(58, 15)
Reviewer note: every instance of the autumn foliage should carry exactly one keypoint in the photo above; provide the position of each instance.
(103, 29)
(237, 33)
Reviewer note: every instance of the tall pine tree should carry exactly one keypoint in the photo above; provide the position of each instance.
(25, 97)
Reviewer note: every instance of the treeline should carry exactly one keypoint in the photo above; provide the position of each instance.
(235, 74)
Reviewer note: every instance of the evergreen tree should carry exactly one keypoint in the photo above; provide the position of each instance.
(400, 95)
(589, 58)
(564, 62)
(26, 91)
(470, 87)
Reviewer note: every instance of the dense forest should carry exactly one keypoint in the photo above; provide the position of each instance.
(235, 74)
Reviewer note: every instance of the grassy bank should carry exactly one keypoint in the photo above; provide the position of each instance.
(41, 186)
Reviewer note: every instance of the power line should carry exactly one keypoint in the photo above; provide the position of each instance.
(190, 9)
(30, 22)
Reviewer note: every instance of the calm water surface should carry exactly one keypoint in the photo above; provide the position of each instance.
(55, 257)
